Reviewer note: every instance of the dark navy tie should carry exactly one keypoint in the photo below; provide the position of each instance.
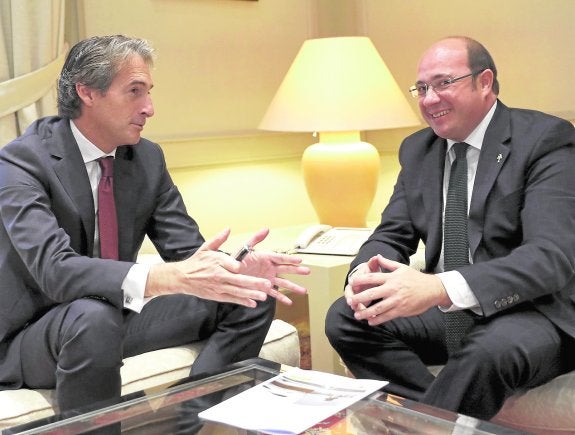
(456, 242)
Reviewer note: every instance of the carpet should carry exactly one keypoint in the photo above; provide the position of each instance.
(304, 344)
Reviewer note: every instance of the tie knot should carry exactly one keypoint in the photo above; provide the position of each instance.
(460, 149)
(107, 166)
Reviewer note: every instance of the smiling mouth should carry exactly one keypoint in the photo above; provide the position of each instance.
(439, 114)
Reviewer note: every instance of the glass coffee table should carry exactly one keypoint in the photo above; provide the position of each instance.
(173, 409)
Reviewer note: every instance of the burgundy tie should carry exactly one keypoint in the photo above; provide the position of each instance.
(107, 222)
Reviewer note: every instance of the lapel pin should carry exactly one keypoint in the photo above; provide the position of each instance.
(499, 157)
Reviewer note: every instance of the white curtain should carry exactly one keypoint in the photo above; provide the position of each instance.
(32, 52)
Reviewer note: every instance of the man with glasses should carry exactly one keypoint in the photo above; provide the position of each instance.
(503, 272)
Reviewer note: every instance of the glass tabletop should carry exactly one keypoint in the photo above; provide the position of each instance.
(173, 409)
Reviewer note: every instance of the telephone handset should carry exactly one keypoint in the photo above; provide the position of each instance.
(325, 239)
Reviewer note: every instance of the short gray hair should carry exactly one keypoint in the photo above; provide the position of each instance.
(94, 62)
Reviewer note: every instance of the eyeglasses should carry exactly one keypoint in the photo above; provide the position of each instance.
(419, 90)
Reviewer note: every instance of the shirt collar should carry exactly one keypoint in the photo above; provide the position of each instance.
(475, 139)
(89, 151)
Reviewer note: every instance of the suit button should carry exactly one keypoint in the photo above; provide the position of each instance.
(503, 302)
(510, 299)
(516, 297)
(497, 304)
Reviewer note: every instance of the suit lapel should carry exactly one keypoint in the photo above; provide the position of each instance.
(432, 188)
(70, 170)
(125, 184)
(494, 152)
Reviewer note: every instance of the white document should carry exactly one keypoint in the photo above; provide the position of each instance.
(291, 402)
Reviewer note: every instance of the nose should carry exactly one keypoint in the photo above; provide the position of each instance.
(148, 109)
(431, 97)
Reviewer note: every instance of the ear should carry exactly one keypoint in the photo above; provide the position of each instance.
(86, 94)
(485, 80)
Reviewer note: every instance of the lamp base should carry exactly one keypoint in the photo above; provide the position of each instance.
(340, 174)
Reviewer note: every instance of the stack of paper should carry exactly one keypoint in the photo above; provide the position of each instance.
(291, 402)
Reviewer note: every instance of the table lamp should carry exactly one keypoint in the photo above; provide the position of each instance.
(338, 87)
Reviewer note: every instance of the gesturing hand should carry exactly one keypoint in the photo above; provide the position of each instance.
(211, 274)
(271, 265)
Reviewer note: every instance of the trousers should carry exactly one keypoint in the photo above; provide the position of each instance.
(499, 356)
(77, 347)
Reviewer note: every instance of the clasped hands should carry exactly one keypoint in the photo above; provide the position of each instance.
(402, 291)
(212, 274)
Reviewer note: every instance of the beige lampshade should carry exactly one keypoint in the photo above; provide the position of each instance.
(338, 84)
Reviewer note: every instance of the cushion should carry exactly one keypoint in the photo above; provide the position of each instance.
(146, 371)
(548, 409)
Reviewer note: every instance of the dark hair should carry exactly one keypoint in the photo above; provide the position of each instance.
(94, 62)
(479, 59)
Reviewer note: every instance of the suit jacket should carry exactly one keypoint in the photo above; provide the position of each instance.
(47, 227)
(521, 224)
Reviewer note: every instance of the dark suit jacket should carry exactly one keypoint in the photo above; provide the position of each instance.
(521, 218)
(47, 226)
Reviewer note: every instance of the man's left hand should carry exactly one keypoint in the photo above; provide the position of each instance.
(270, 265)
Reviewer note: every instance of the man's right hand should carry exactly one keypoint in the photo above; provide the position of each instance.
(371, 266)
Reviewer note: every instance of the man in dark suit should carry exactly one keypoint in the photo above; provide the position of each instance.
(70, 314)
(518, 286)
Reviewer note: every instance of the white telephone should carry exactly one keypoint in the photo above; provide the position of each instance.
(324, 239)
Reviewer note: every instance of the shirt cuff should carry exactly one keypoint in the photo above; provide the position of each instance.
(459, 292)
(134, 287)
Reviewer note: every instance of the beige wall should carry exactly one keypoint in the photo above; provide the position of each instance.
(532, 42)
(220, 61)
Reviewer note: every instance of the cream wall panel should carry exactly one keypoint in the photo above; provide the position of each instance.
(532, 42)
(248, 196)
(253, 181)
(219, 62)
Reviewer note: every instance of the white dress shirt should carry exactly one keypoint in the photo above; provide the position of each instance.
(457, 288)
